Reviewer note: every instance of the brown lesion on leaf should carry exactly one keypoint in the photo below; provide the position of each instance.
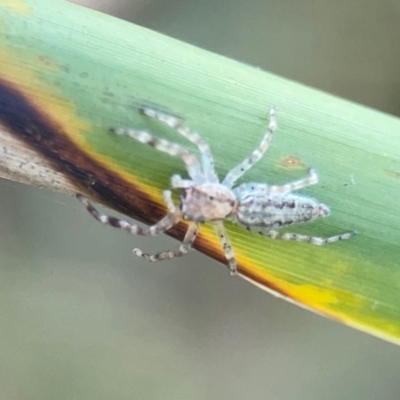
(391, 173)
(293, 163)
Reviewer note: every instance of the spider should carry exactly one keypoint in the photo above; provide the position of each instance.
(256, 206)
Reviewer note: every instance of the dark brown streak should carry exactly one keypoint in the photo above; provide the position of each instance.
(45, 136)
(40, 132)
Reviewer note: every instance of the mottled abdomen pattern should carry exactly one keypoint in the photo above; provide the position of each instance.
(277, 211)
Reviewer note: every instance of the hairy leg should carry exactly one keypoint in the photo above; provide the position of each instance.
(178, 182)
(183, 249)
(194, 137)
(163, 225)
(246, 164)
(303, 238)
(246, 189)
(173, 149)
(312, 179)
(226, 245)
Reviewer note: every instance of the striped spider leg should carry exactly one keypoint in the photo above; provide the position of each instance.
(163, 225)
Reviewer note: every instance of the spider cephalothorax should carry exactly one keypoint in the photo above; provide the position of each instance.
(207, 202)
(255, 206)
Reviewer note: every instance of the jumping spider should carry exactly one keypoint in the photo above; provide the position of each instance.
(256, 206)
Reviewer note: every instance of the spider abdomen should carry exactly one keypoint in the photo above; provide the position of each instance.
(275, 211)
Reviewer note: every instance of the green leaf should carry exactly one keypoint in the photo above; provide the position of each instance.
(69, 73)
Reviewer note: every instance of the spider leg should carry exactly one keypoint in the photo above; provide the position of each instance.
(173, 149)
(312, 179)
(254, 188)
(183, 249)
(167, 195)
(303, 238)
(194, 137)
(246, 164)
(178, 182)
(163, 225)
(226, 245)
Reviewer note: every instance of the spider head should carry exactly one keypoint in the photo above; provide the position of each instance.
(207, 202)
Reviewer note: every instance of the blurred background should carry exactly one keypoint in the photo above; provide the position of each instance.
(81, 318)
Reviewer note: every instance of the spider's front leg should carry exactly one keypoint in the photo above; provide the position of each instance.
(192, 164)
(194, 137)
